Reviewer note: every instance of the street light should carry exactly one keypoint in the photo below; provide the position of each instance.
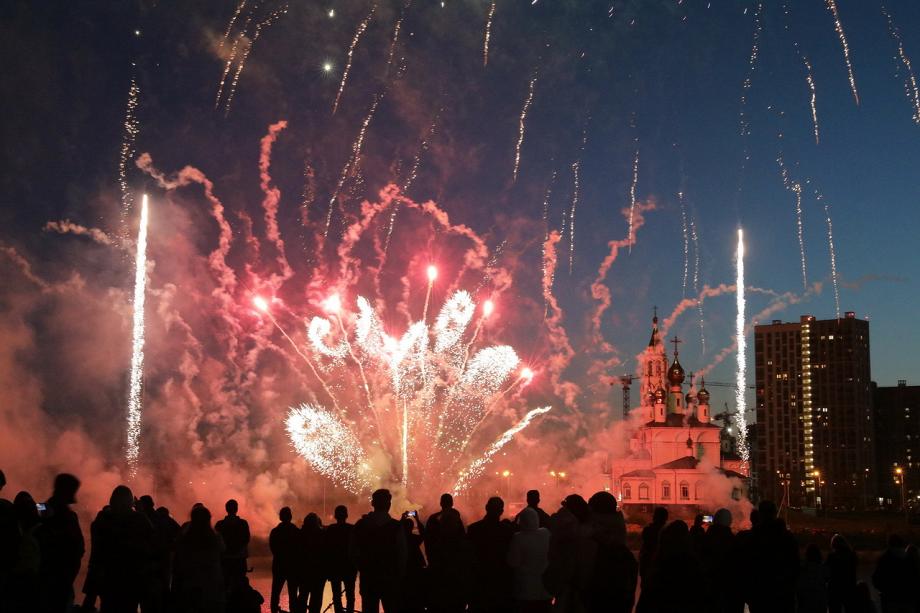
(899, 478)
(817, 482)
(507, 474)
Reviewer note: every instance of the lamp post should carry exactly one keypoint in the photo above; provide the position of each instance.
(899, 478)
(817, 483)
(507, 475)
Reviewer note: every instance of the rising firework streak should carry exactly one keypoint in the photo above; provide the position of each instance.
(910, 80)
(838, 26)
(135, 400)
(487, 36)
(130, 130)
(362, 27)
(741, 373)
(521, 125)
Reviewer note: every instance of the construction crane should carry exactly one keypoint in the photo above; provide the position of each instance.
(625, 381)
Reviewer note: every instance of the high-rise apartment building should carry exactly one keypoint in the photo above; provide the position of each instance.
(815, 443)
(897, 443)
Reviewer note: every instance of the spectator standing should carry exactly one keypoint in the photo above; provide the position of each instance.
(489, 539)
(892, 578)
(121, 557)
(811, 594)
(414, 590)
(533, 502)
(673, 580)
(841, 566)
(721, 565)
(62, 546)
(528, 557)
(234, 530)
(342, 571)
(22, 556)
(198, 578)
(283, 541)
(380, 555)
(311, 565)
(650, 534)
(612, 586)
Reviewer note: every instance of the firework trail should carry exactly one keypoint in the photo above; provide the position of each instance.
(796, 188)
(741, 374)
(809, 78)
(696, 281)
(838, 26)
(521, 125)
(687, 303)
(744, 124)
(362, 27)
(488, 35)
(831, 249)
(410, 179)
(686, 236)
(242, 61)
(575, 189)
(544, 259)
(236, 14)
(477, 466)
(354, 159)
(271, 201)
(911, 90)
(395, 39)
(632, 192)
(135, 400)
(231, 58)
(129, 131)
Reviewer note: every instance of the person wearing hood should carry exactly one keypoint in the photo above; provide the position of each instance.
(612, 584)
(380, 555)
(571, 554)
(528, 557)
(892, 578)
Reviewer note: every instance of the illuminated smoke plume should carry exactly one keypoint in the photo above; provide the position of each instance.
(135, 399)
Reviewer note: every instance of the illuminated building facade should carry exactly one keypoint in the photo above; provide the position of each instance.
(897, 442)
(815, 443)
(676, 454)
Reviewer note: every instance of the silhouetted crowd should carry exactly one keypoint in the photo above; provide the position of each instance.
(573, 561)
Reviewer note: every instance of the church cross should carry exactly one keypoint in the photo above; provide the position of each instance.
(675, 342)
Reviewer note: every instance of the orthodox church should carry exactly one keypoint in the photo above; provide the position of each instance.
(676, 456)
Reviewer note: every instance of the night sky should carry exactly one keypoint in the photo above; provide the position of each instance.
(661, 77)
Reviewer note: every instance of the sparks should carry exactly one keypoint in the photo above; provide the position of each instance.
(521, 125)
(130, 130)
(362, 27)
(135, 398)
(911, 89)
(432, 273)
(686, 237)
(575, 187)
(796, 188)
(744, 125)
(831, 249)
(260, 303)
(487, 308)
(809, 78)
(838, 26)
(632, 195)
(487, 36)
(696, 282)
(741, 374)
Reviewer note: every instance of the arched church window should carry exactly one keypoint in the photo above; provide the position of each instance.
(699, 490)
(684, 490)
(643, 491)
(627, 491)
(666, 490)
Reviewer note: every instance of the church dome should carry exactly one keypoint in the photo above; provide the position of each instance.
(703, 395)
(688, 398)
(676, 373)
(650, 396)
(659, 395)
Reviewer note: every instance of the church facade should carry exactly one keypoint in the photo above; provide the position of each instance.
(677, 456)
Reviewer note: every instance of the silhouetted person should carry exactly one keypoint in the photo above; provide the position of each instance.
(121, 555)
(235, 532)
(415, 583)
(571, 554)
(342, 571)
(673, 581)
(311, 566)
(283, 541)
(154, 599)
(528, 557)
(892, 578)
(9, 537)
(721, 565)
(811, 594)
(533, 502)
(773, 561)
(22, 556)
(198, 578)
(379, 549)
(913, 562)
(433, 525)
(862, 599)
(62, 546)
(449, 564)
(650, 534)
(612, 586)
(697, 533)
(243, 598)
(841, 567)
(489, 539)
